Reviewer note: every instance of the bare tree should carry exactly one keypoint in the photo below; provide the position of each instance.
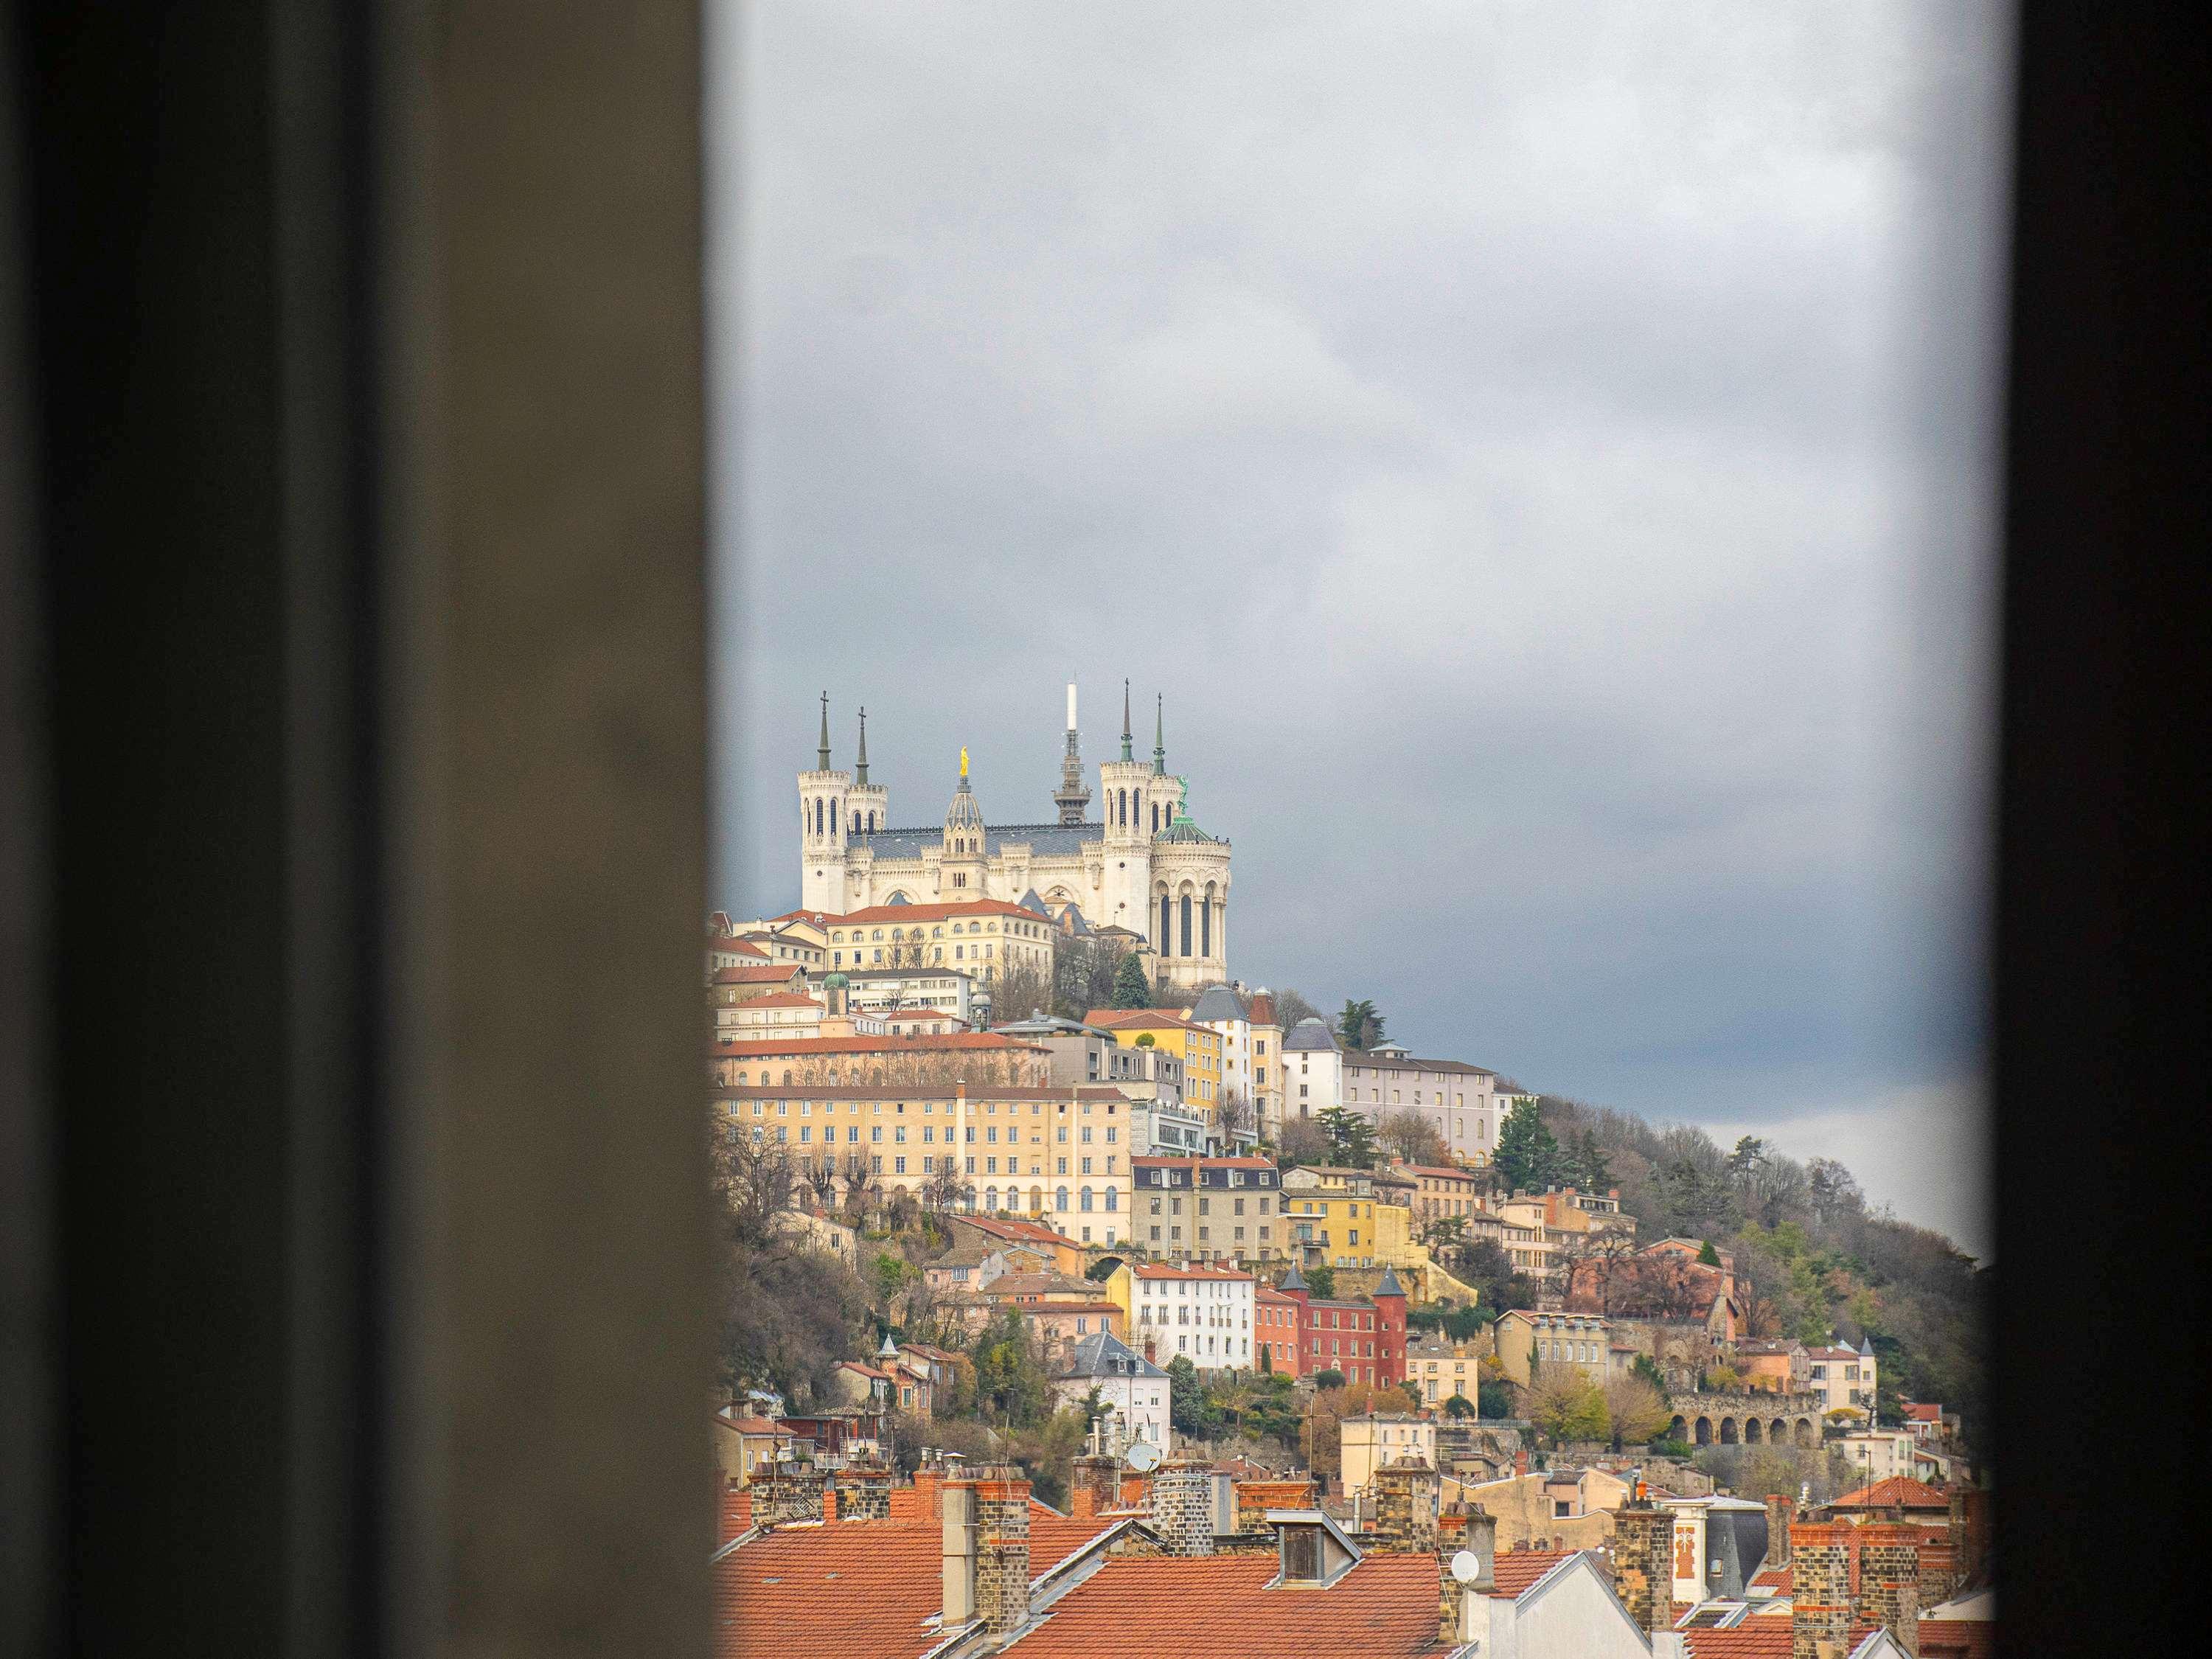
(1235, 1116)
(1290, 1007)
(1411, 1136)
(947, 1189)
(1302, 1141)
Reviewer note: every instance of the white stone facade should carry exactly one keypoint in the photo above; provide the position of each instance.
(1139, 865)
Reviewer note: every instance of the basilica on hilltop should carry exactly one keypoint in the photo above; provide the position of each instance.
(1141, 866)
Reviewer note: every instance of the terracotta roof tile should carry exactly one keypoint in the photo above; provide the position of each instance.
(1899, 1492)
(855, 1589)
(1519, 1569)
(1766, 1637)
(1775, 1581)
(758, 973)
(1167, 1608)
(1957, 1638)
(737, 1515)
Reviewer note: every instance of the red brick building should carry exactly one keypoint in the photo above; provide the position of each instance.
(1364, 1340)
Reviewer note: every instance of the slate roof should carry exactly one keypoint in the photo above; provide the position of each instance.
(1384, 1606)
(1217, 1002)
(1097, 1356)
(1309, 1036)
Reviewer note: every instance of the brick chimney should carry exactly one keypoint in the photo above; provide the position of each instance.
(929, 1488)
(1405, 1506)
(1519, 1461)
(863, 1492)
(1781, 1512)
(1889, 1581)
(1820, 1589)
(786, 1493)
(987, 1549)
(1256, 1498)
(1183, 1507)
(1095, 1485)
(1644, 1563)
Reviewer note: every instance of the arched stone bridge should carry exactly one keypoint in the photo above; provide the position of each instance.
(1747, 1418)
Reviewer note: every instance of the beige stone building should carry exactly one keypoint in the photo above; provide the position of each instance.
(1562, 1509)
(1552, 1339)
(1366, 1442)
(1010, 1150)
(1440, 1368)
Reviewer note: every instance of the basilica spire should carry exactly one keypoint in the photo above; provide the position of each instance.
(1128, 753)
(825, 767)
(860, 766)
(1072, 796)
(1160, 738)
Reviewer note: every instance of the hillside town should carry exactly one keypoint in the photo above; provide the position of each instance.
(1085, 1296)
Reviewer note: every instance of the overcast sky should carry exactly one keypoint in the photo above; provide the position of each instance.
(1541, 452)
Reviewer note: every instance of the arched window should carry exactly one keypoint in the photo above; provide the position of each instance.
(871, 824)
(1036, 1200)
(1206, 924)
(1112, 1202)
(1156, 817)
(1167, 926)
(1186, 924)
(1060, 1199)
(818, 817)
(786, 1079)
(1086, 1200)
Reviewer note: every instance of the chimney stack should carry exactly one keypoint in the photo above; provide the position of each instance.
(1889, 1581)
(1485, 1617)
(1095, 1485)
(987, 1549)
(865, 1492)
(787, 1492)
(1781, 1513)
(1644, 1563)
(1405, 1506)
(1182, 1506)
(1820, 1589)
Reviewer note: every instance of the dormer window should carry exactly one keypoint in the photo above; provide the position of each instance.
(1301, 1555)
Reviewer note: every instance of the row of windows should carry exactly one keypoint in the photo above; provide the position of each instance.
(1023, 929)
(1206, 1205)
(1205, 1234)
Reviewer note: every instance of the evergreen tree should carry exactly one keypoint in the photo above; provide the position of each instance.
(1360, 1025)
(1351, 1138)
(1528, 1156)
(1590, 1167)
(1131, 989)
(1708, 1255)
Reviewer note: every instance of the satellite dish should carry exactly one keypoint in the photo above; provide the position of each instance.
(1143, 1456)
(1466, 1567)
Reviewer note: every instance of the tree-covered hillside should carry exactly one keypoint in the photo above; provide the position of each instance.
(1813, 1257)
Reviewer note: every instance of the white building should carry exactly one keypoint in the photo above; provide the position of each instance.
(1203, 1314)
(1455, 1098)
(909, 997)
(1313, 1067)
(1879, 1454)
(1128, 1384)
(1142, 864)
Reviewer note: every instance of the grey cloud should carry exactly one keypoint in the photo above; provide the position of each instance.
(1541, 453)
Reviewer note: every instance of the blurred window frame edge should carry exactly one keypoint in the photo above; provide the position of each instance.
(2092, 174)
(355, 727)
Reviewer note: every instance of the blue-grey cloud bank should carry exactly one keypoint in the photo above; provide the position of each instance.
(1542, 455)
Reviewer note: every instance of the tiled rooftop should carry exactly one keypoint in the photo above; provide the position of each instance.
(854, 1589)
(1899, 1492)
(1166, 1607)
